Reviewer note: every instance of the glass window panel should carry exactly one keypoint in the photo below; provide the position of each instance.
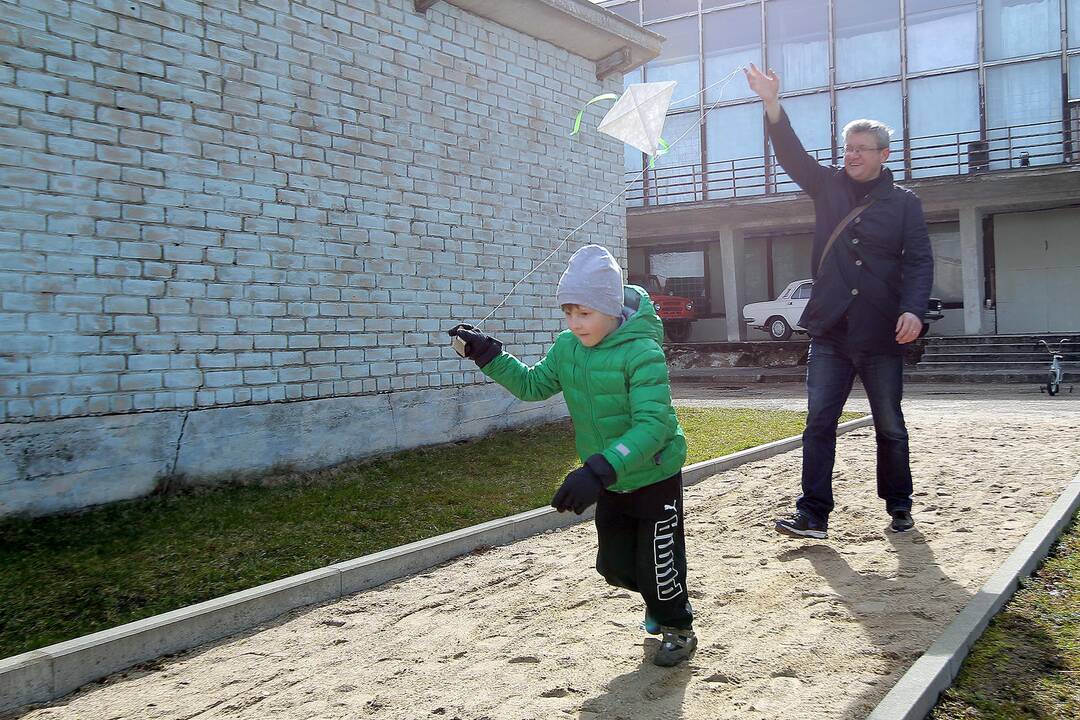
(811, 118)
(791, 262)
(656, 9)
(680, 273)
(1023, 114)
(755, 270)
(941, 34)
(676, 176)
(732, 38)
(948, 279)
(939, 139)
(876, 102)
(1022, 27)
(798, 43)
(707, 4)
(1074, 77)
(735, 151)
(631, 11)
(867, 39)
(1072, 19)
(678, 61)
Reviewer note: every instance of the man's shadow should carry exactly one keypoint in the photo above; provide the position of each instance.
(901, 610)
(647, 692)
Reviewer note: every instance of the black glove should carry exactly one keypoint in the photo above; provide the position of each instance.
(582, 487)
(479, 348)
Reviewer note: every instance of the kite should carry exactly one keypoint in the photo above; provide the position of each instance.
(637, 117)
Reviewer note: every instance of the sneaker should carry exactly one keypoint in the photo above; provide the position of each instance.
(800, 525)
(650, 624)
(676, 645)
(901, 521)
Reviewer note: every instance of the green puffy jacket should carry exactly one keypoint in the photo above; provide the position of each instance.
(617, 393)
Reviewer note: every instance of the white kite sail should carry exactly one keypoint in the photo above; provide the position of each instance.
(637, 117)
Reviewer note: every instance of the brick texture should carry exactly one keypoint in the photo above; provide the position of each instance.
(243, 201)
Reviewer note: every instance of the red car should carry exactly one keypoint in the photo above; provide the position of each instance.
(675, 312)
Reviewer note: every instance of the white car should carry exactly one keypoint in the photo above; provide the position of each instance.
(780, 317)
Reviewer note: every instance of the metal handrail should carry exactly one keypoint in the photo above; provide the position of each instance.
(959, 153)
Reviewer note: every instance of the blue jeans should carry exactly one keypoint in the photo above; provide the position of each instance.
(830, 372)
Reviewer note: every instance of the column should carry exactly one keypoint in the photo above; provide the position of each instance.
(731, 258)
(972, 268)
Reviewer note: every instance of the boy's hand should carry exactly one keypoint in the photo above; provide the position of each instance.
(479, 348)
(582, 487)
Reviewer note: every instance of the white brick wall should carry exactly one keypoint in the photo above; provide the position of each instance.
(245, 201)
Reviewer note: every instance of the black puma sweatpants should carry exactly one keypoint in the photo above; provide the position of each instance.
(641, 547)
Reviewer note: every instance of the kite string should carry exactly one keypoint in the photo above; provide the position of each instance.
(726, 79)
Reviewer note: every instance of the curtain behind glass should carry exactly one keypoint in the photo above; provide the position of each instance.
(1021, 27)
(798, 43)
(941, 34)
(867, 39)
(656, 9)
(731, 38)
(1029, 95)
(1073, 21)
(735, 151)
(948, 277)
(811, 118)
(876, 102)
(677, 173)
(678, 61)
(943, 117)
(1074, 77)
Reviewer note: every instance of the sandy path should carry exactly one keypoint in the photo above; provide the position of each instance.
(790, 629)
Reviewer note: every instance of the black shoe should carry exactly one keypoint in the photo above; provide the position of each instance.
(800, 525)
(901, 521)
(676, 645)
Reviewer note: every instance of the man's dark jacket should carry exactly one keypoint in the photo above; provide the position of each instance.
(878, 269)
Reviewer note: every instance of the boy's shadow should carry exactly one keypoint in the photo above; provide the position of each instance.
(900, 611)
(647, 692)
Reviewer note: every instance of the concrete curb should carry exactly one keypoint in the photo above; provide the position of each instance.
(54, 671)
(916, 693)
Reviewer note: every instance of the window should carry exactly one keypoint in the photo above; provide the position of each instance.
(735, 151)
(867, 39)
(678, 61)
(1022, 27)
(732, 38)
(1073, 21)
(802, 292)
(798, 42)
(675, 177)
(1074, 77)
(656, 9)
(939, 139)
(1023, 114)
(929, 22)
(811, 118)
(948, 278)
(680, 273)
(876, 102)
(755, 272)
(629, 10)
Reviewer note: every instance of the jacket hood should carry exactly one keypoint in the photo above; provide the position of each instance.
(642, 322)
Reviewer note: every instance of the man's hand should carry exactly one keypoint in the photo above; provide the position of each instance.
(767, 87)
(908, 327)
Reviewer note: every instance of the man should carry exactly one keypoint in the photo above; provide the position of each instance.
(871, 289)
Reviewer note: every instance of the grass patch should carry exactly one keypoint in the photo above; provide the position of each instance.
(1026, 666)
(66, 576)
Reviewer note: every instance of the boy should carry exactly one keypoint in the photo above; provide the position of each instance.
(612, 372)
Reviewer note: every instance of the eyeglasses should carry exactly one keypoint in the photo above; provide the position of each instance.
(861, 150)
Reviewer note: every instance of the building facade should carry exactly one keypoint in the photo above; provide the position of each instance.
(984, 97)
(234, 233)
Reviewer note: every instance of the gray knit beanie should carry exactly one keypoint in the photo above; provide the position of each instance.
(593, 279)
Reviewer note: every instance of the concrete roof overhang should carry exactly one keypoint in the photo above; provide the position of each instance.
(996, 192)
(578, 26)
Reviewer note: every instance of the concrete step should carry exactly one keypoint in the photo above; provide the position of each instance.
(1041, 367)
(745, 376)
(972, 357)
(1024, 339)
(1001, 377)
(1069, 349)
